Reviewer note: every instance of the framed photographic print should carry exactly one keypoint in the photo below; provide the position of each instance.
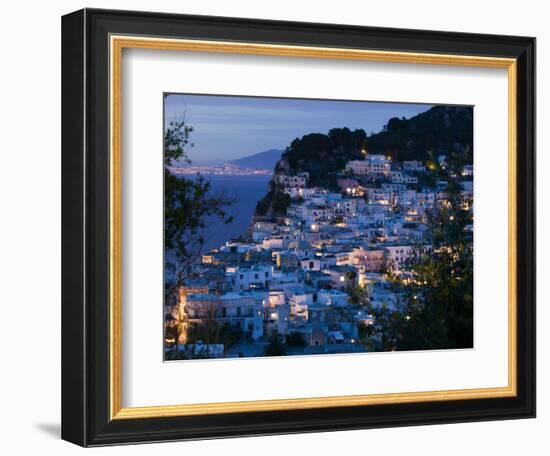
(279, 227)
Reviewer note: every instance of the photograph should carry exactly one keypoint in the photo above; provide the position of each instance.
(298, 226)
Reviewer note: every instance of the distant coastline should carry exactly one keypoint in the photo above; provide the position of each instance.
(225, 169)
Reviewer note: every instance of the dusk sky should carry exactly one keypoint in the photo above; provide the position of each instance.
(227, 127)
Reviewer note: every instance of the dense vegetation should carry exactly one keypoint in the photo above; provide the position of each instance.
(274, 203)
(187, 205)
(442, 130)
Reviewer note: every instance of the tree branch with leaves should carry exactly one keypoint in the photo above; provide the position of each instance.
(189, 204)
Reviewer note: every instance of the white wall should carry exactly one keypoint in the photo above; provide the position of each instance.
(30, 228)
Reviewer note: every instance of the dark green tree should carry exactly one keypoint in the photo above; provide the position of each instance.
(188, 204)
(295, 339)
(276, 346)
(357, 295)
(441, 130)
(437, 310)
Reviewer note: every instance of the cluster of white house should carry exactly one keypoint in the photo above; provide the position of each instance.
(294, 274)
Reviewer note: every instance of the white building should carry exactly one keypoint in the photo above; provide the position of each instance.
(276, 319)
(343, 258)
(299, 304)
(398, 255)
(273, 243)
(342, 276)
(425, 198)
(313, 213)
(306, 193)
(254, 277)
(343, 207)
(382, 297)
(371, 260)
(237, 247)
(276, 298)
(259, 236)
(293, 192)
(468, 170)
(228, 308)
(399, 177)
(299, 181)
(334, 298)
(378, 196)
(310, 264)
(372, 165)
(406, 198)
(414, 166)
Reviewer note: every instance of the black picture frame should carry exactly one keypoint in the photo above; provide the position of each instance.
(85, 225)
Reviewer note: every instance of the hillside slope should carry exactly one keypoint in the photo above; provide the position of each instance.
(441, 130)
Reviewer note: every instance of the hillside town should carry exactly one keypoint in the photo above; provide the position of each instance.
(297, 284)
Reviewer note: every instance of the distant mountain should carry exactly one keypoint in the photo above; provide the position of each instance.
(262, 160)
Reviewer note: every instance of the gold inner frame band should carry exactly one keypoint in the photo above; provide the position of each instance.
(117, 44)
